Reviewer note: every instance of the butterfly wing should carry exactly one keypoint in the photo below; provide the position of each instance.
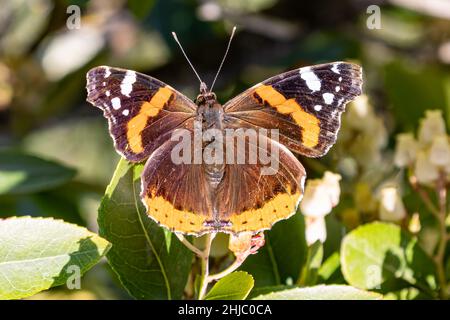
(142, 111)
(249, 197)
(254, 196)
(305, 105)
(176, 194)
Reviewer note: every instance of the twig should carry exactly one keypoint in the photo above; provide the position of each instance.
(424, 196)
(189, 245)
(205, 278)
(205, 266)
(439, 257)
(232, 267)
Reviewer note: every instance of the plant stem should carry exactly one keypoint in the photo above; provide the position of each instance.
(424, 196)
(440, 254)
(205, 266)
(232, 267)
(189, 245)
(205, 277)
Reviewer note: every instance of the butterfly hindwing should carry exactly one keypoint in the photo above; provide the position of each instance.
(142, 111)
(177, 195)
(248, 198)
(254, 196)
(304, 104)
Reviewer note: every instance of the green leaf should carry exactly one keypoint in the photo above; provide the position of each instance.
(94, 161)
(412, 89)
(258, 291)
(235, 286)
(141, 8)
(322, 292)
(280, 260)
(330, 270)
(312, 265)
(20, 173)
(382, 256)
(38, 253)
(150, 263)
(405, 294)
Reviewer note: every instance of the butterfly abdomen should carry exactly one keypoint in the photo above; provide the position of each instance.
(210, 114)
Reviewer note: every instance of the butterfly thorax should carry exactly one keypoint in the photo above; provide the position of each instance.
(209, 112)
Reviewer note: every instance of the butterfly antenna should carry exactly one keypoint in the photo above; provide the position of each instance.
(223, 59)
(185, 55)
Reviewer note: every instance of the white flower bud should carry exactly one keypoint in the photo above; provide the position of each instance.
(405, 150)
(315, 229)
(321, 195)
(391, 205)
(331, 181)
(432, 125)
(315, 202)
(424, 170)
(440, 151)
(414, 225)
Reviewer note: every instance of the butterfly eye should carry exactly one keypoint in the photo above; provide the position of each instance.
(200, 99)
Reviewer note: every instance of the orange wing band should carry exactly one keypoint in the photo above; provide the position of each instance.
(164, 213)
(280, 207)
(148, 109)
(308, 122)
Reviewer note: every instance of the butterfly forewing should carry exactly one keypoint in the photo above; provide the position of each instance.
(142, 111)
(304, 104)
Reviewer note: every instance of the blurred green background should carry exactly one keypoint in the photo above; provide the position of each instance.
(47, 127)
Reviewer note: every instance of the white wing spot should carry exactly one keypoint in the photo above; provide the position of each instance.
(328, 98)
(107, 72)
(340, 79)
(107, 93)
(103, 83)
(126, 112)
(127, 83)
(116, 103)
(311, 79)
(338, 88)
(317, 107)
(335, 68)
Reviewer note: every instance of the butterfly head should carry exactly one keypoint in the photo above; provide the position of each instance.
(206, 96)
